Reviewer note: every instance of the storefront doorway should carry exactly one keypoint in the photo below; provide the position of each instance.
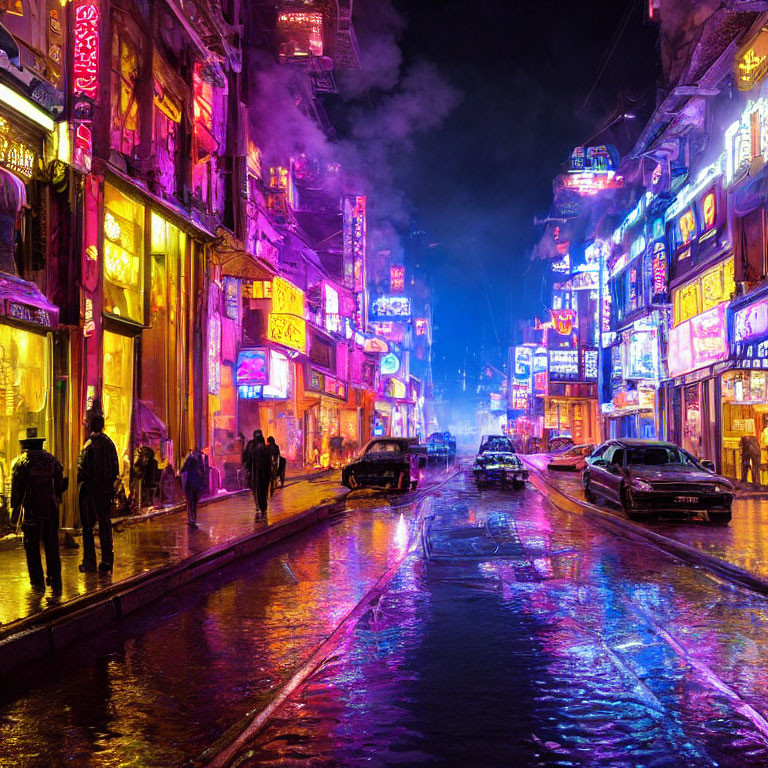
(118, 396)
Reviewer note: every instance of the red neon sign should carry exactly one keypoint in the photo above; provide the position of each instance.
(86, 50)
(397, 278)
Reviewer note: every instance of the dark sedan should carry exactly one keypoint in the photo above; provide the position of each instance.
(386, 462)
(499, 467)
(650, 479)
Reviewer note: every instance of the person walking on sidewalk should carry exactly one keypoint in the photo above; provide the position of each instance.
(193, 480)
(275, 463)
(97, 473)
(37, 485)
(258, 465)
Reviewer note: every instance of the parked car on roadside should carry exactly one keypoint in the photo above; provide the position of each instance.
(393, 463)
(649, 479)
(572, 460)
(504, 467)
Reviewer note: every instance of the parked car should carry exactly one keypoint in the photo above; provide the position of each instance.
(504, 467)
(495, 444)
(386, 462)
(559, 443)
(648, 479)
(572, 460)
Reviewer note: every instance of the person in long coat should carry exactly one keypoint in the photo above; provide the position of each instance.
(37, 486)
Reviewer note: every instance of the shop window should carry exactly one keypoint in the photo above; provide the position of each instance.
(206, 102)
(118, 394)
(323, 353)
(126, 64)
(123, 256)
(25, 383)
(167, 119)
(750, 247)
(745, 418)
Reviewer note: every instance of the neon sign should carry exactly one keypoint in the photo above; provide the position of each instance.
(751, 322)
(86, 50)
(391, 306)
(355, 226)
(85, 84)
(563, 320)
(564, 364)
(590, 183)
(751, 63)
(709, 210)
(589, 361)
(252, 367)
(332, 317)
(659, 269)
(397, 278)
(390, 364)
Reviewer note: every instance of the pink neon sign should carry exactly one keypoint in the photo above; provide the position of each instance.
(698, 342)
(86, 50)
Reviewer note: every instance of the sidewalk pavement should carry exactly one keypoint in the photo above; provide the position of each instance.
(147, 543)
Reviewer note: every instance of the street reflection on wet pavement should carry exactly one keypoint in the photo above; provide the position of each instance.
(568, 647)
(145, 544)
(528, 636)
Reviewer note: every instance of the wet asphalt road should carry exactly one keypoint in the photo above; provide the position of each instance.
(525, 636)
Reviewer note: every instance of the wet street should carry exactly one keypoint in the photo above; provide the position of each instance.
(512, 633)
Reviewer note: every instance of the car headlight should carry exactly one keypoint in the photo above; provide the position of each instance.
(722, 489)
(641, 485)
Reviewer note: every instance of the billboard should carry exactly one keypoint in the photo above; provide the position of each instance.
(391, 308)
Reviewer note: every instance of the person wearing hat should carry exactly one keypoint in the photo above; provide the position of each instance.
(37, 485)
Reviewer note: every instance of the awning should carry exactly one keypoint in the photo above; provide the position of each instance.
(235, 261)
(24, 302)
(149, 426)
(750, 194)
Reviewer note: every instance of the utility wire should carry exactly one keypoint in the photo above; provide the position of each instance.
(617, 37)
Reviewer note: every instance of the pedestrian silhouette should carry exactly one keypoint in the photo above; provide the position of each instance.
(37, 485)
(193, 480)
(97, 473)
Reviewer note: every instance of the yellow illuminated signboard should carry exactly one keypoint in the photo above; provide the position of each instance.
(752, 63)
(709, 290)
(286, 320)
(287, 299)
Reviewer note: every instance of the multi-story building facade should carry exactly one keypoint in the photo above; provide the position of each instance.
(165, 259)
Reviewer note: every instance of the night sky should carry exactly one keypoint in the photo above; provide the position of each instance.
(523, 71)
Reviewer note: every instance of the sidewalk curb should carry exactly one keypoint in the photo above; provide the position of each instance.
(725, 570)
(45, 634)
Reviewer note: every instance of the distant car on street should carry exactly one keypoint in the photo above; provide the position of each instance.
(572, 460)
(495, 444)
(504, 467)
(386, 462)
(648, 479)
(441, 448)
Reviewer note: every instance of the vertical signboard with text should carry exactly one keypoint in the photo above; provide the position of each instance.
(355, 235)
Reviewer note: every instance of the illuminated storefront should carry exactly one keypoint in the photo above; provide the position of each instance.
(744, 392)
(702, 274)
(26, 374)
(147, 361)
